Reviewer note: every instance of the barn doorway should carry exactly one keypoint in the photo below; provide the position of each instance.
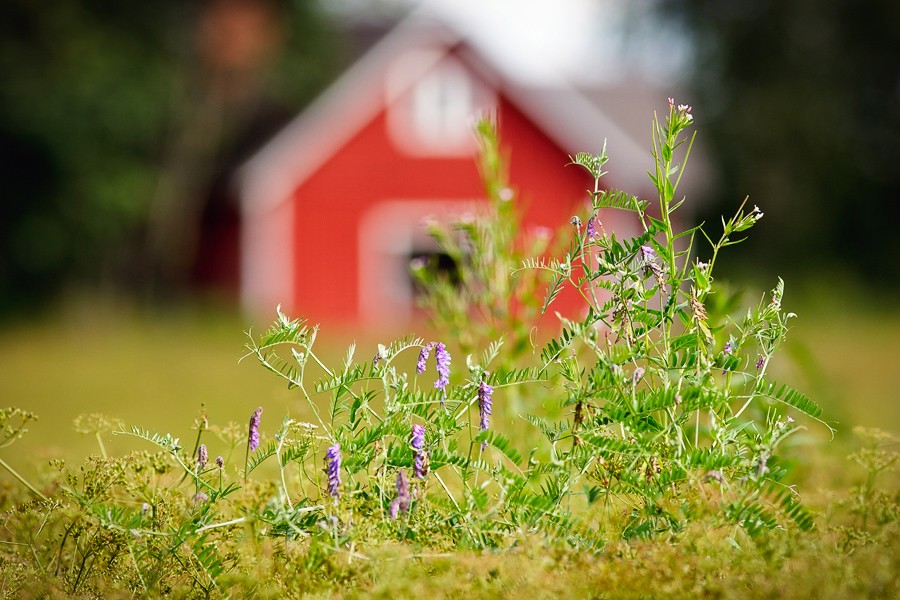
(393, 237)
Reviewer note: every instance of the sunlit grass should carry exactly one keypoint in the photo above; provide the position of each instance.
(156, 370)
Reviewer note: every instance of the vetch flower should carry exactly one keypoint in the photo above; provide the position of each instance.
(637, 375)
(485, 403)
(591, 229)
(423, 357)
(400, 504)
(727, 350)
(220, 462)
(202, 456)
(760, 362)
(254, 429)
(200, 497)
(648, 255)
(443, 366)
(420, 469)
(333, 469)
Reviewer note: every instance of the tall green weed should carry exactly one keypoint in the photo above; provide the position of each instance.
(652, 412)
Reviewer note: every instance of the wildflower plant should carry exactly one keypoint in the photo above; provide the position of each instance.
(660, 394)
(485, 299)
(657, 413)
(664, 394)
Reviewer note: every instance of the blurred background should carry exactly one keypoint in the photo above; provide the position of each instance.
(124, 127)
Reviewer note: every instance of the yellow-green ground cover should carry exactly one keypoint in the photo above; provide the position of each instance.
(155, 370)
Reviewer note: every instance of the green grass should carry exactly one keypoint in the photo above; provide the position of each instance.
(156, 370)
(152, 370)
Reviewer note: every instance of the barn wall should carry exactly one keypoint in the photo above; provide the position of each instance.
(369, 171)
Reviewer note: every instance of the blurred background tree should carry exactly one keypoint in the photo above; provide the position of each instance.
(120, 119)
(800, 104)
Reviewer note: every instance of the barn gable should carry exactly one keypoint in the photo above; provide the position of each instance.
(331, 206)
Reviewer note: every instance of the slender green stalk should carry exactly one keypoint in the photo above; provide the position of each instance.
(22, 480)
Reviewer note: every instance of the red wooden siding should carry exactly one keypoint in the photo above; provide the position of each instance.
(368, 170)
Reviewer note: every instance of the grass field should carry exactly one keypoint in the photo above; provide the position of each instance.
(156, 370)
(153, 370)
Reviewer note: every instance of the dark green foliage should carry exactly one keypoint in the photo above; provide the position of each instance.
(120, 124)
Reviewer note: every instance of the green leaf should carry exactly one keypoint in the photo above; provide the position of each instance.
(619, 200)
(261, 454)
(501, 443)
(789, 396)
(294, 451)
(710, 459)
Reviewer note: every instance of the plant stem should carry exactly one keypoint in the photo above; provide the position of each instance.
(22, 480)
(446, 489)
(102, 447)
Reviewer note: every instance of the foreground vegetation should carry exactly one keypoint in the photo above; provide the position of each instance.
(655, 453)
(61, 549)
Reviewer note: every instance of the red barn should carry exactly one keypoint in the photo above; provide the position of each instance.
(333, 206)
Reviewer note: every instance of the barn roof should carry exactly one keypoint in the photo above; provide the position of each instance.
(567, 117)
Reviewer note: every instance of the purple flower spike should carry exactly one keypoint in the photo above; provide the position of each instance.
(760, 362)
(202, 456)
(420, 469)
(648, 253)
(333, 458)
(485, 403)
(220, 462)
(400, 504)
(200, 498)
(443, 366)
(423, 357)
(254, 429)
(637, 375)
(591, 229)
